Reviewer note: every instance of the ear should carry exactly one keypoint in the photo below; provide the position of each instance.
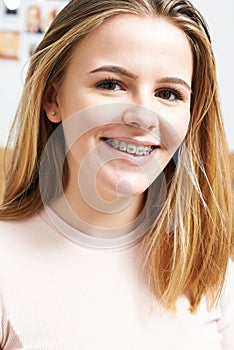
(50, 104)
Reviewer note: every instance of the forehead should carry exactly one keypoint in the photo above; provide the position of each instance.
(131, 27)
(128, 39)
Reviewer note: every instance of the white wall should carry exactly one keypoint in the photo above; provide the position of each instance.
(219, 16)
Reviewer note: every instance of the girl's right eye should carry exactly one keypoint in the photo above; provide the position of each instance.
(110, 84)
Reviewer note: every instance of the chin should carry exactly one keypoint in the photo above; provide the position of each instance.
(125, 187)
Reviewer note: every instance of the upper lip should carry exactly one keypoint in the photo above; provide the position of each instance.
(141, 142)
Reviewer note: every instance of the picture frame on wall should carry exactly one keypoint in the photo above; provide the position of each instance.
(9, 45)
(10, 32)
(38, 15)
(22, 29)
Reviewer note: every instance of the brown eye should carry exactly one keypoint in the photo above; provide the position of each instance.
(168, 94)
(109, 85)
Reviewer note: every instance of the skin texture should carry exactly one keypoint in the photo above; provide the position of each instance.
(130, 80)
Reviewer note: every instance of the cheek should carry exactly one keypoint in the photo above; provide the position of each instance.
(174, 129)
(82, 147)
(182, 127)
(70, 102)
(74, 98)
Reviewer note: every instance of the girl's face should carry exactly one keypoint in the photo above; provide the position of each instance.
(135, 72)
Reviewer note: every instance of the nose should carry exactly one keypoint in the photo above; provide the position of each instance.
(141, 117)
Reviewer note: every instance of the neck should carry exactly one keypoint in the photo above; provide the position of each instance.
(119, 215)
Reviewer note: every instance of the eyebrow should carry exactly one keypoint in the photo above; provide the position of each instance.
(114, 69)
(175, 80)
(124, 72)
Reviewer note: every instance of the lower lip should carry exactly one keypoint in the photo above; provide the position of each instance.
(133, 160)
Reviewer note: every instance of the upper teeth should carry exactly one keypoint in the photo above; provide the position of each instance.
(130, 148)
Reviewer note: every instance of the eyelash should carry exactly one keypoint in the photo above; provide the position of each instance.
(173, 90)
(109, 80)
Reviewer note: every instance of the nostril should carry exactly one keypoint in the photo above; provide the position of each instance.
(151, 127)
(134, 124)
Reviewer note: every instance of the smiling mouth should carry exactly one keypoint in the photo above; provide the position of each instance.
(130, 148)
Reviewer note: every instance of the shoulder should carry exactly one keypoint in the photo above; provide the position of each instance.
(228, 290)
(226, 300)
(20, 234)
(19, 227)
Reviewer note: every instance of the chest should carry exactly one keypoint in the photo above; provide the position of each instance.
(96, 303)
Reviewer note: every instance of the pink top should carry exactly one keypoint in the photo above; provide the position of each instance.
(60, 290)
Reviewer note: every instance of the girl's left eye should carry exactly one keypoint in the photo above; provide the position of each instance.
(110, 84)
(169, 95)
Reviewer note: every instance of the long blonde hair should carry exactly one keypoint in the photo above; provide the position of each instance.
(188, 247)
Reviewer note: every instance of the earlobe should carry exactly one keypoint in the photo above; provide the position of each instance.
(50, 104)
